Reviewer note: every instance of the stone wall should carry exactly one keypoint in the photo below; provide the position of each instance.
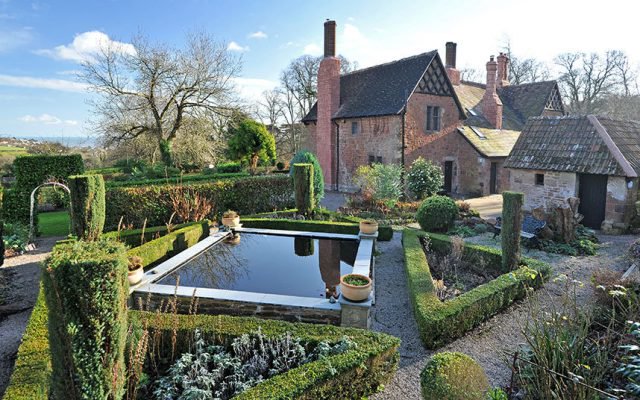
(620, 204)
(557, 188)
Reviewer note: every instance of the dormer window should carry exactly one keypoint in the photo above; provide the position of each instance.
(433, 119)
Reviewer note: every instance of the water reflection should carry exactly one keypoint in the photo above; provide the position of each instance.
(297, 266)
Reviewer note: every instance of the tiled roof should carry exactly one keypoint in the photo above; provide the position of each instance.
(490, 142)
(379, 90)
(573, 144)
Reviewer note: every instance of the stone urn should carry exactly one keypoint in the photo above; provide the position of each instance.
(355, 287)
(230, 219)
(368, 227)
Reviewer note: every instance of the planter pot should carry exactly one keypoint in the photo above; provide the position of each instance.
(231, 222)
(368, 227)
(135, 276)
(353, 292)
(235, 239)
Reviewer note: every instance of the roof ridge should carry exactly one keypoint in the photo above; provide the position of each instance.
(476, 84)
(602, 116)
(530, 83)
(389, 63)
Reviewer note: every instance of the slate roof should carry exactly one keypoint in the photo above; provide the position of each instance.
(577, 144)
(490, 142)
(379, 90)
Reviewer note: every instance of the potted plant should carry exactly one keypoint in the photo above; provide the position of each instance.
(368, 227)
(136, 270)
(355, 287)
(230, 219)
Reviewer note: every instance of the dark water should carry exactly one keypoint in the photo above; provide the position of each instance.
(295, 266)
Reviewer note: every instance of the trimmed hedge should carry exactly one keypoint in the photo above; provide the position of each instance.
(88, 205)
(133, 237)
(166, 246)
(153, 203)
(303, 187)
(175, 180)
(442, 322)
(511, 223)
(371, 364)
(350, 375)
(453, 376)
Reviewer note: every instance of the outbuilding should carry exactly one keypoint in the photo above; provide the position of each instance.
(594, 158)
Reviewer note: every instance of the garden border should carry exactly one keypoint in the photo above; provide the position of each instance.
(442, 322)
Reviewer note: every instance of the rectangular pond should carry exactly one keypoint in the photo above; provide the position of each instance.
(277, 274)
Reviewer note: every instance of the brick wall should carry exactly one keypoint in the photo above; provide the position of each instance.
(558, 186)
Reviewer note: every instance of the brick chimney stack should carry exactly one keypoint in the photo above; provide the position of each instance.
(491, 104)
(503, 70)
(450, 63)
(328, 104)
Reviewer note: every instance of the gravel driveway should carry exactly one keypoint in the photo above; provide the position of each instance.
(490, 342)
(19, 283)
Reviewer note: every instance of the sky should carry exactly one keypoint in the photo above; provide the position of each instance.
(43, 42)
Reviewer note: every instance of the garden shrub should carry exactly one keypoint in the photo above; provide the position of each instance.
(437, 213)
(441, 322)
(86, 289)
(153, 203)
(307, 157)
(424, 178)
(380, 182)
(303, 186)
(15, 236)
(453, 376)
(230, 166)
(251, 142)
(88, 205)
(511, 227)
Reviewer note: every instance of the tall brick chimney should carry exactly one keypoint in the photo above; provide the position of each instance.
(328, 104)
(503, 70)
(491, 104)
(450, 63)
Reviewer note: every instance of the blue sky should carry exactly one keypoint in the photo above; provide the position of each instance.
(41, 41)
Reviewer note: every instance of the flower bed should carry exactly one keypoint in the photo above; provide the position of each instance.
(441, 322)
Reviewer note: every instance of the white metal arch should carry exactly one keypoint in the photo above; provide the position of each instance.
(33, 203)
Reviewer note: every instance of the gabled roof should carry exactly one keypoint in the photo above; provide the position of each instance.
(382, 89)
(490, 142)
(581, 144)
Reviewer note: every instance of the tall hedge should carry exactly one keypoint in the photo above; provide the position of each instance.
(303, 186)
(87, 205)
(245, 195)
(511, 226)
(86, 292)
(318, 177)
(32, 171)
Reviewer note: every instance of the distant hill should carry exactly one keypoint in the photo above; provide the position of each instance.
(28, 142)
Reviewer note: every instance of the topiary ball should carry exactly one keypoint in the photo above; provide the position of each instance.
(453, 376)
(437, 213)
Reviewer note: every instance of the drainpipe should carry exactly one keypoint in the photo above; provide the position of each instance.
(337, 156)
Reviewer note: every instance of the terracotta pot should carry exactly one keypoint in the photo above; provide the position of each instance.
(231, 221)
(135, 276)
(353, 292)
(368, 227)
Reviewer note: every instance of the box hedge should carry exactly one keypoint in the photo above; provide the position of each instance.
(87, 205)
(153, 203)
(175, 180)
(442, 322)
(136, 237)
(353, 374)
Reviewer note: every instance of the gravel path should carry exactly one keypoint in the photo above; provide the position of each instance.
(19, 282)
(490, 342)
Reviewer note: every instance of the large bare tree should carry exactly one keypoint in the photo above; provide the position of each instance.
(148, 93)
(524, 70)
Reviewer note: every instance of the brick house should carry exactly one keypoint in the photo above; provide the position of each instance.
(596, 159)
(418, 106)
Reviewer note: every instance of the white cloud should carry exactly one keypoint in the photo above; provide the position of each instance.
(10, 39)
(234, 46)
(42, 83)
(47, 119)
(312, 49)
(85, 46)
(251, 88)
(352, 38)
(258, 35)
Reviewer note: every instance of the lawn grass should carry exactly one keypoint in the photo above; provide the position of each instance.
(54, 223)
(12, 151)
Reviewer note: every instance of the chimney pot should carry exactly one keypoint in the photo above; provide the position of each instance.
(330, 38)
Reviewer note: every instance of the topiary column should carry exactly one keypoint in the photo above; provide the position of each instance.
(87, 205)
(511, 226)
(86, 289)
(303, 186)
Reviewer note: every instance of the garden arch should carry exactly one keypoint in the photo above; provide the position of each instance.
(33, 204)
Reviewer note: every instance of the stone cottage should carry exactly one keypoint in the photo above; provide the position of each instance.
(419, 106)
(596, 159)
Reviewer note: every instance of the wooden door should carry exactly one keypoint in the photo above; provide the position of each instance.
(592, 191)
(448, 176)
(493, 179)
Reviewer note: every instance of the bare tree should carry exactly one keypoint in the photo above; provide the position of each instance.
(525, 70)
(470, 75)
(586, 79)
(271, 107)
(148, 93)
